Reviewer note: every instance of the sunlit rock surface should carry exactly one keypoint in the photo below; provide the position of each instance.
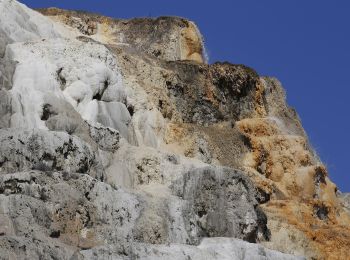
(119, 141)
(170, 38)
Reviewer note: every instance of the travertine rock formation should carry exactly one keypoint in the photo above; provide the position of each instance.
(119, 141)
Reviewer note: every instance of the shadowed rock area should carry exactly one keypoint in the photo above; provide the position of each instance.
(119, 141)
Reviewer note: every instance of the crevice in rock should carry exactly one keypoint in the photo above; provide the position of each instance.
(320, 176)
(262, 196)
(263, 232)
(12, 187)
(61, 79)
(321, 211)
(47, 112)
(84, 166)
(201, 213)
(157, 53)
(131, 110)
(99, 94)
(55, 234)
(160, 104)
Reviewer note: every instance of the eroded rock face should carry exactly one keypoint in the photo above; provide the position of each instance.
(46, 151)
(62, 212)
(118, 141)
(170, 38)
(225, 195)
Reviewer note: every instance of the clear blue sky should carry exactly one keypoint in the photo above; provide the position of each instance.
(305, 44)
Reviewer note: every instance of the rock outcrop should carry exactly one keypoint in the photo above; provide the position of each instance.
(170, 38)
(119, 141)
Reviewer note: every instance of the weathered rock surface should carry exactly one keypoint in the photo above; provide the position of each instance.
(170, 38)
(50, 215)
(47, 151)
(222, 195)
(118, 141)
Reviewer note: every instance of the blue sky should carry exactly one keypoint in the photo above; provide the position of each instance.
(305, 44)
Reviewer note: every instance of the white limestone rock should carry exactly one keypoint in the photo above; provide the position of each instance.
(21, 24)
(80, 73)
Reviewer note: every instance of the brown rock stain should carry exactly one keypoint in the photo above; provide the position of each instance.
(312, 205)
(191, 43)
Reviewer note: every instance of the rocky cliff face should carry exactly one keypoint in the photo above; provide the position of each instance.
(119, 141)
